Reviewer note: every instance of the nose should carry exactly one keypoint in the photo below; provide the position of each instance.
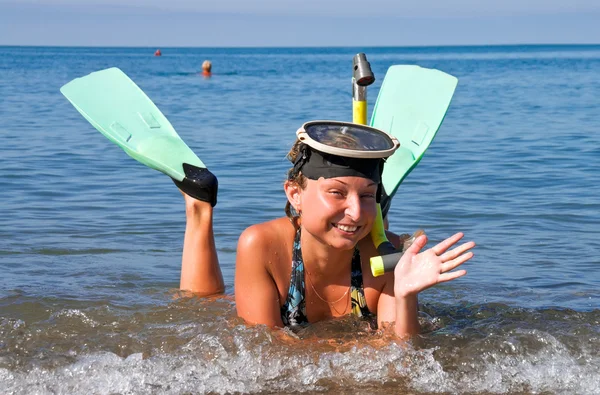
(353, 206)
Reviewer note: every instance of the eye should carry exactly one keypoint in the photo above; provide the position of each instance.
(367, 196)
(336, 193)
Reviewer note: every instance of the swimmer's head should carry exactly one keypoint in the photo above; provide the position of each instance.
(328, 149)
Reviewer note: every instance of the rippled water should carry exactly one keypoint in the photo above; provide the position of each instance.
(90, 241)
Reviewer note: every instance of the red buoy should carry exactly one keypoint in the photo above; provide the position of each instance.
(157, 53)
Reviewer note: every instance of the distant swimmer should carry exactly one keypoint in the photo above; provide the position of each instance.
(206, 68)
(158, 53)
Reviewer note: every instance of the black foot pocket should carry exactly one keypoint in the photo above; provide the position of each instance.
(199, 183)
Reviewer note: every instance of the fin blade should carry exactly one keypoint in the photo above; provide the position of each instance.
(411, 105)
(124, 114)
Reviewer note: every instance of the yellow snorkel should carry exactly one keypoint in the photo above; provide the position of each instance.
(361, 78)
(410, 107)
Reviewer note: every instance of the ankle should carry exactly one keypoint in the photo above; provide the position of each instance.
(197, 208)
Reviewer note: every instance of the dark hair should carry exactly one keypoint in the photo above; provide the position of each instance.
(295, 177)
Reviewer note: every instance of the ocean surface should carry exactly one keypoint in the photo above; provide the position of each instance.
(90, 240)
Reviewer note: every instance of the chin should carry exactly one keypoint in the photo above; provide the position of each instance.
(343, 243)
(343, 246)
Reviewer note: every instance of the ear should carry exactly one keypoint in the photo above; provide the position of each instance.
(294, 194)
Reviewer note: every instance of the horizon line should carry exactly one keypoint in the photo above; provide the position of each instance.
(310, 46)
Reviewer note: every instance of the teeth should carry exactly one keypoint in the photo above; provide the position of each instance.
(347, 228)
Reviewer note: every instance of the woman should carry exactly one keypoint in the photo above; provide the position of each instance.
(313, 264)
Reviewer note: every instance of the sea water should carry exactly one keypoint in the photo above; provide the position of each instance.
(90, 240)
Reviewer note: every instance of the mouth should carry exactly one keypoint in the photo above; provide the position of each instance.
(346, 228)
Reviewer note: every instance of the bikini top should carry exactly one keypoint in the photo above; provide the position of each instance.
(293, 311)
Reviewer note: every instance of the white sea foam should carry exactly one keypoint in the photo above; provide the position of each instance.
(247, 361)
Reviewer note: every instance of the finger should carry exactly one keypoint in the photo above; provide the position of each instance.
(454, 263)
(449, 242)
(449, 255)
(417, 245)
(451, 276)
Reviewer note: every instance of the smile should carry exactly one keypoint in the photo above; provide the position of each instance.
(346, 228)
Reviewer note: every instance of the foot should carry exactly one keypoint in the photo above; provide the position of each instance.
(199, 183)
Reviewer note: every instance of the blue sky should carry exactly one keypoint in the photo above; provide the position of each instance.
(229, 23)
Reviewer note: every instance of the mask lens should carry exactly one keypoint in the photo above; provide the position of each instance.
(349, 136)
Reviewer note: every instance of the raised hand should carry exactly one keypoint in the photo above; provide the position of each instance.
(417, 271)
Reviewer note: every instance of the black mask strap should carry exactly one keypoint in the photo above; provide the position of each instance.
(315, 164)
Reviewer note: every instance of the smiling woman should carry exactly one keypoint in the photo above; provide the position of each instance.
(332, 193)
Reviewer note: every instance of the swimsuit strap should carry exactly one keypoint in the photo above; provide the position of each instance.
(293, 311)
(357, 292)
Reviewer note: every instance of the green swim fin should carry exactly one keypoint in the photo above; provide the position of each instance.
(411, 105)
(123, 113)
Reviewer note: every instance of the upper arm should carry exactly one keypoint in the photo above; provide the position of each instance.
(256, 295)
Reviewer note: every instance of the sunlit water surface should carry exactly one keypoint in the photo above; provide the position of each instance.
(90, 241)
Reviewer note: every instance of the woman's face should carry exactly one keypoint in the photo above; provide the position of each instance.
(339, 211)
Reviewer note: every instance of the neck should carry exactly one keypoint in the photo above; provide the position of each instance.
(322, 260)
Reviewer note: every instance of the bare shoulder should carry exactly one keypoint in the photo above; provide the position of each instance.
(257, 284)
(265, 234)
(263, 243)
(395, 239)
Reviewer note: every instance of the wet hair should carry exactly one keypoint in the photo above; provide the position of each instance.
(295, 177)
